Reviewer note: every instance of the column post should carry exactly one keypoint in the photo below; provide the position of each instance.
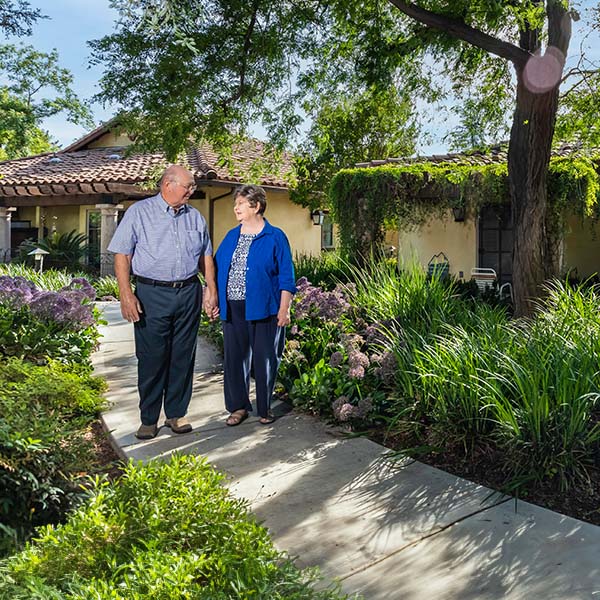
(5, 237)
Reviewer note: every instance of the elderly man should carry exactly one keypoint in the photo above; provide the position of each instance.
(164, 243)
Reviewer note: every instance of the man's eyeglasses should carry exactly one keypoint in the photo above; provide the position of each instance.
(191, 187)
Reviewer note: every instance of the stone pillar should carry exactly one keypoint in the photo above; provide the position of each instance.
(5, 217)
(108, 226)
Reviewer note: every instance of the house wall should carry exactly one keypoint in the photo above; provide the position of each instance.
(26, 213)
(582, 247)
(64, 218)
(110, 140)
(458, 241)
(304, 237)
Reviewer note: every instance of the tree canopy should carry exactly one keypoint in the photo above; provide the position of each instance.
(25, 101)
(17, 17)
(349, 130)
(192, 68)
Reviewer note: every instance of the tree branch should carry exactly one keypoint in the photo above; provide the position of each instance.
(460, 30)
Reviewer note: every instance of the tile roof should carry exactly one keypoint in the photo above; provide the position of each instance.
(494, 154)
(111, 170)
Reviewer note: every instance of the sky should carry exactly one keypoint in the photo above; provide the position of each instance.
(72, 23)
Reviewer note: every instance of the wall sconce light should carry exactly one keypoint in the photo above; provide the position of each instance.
(38, 255)
(459, 213)
(317, 217)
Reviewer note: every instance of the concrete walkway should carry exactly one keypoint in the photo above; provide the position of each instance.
(387, 530)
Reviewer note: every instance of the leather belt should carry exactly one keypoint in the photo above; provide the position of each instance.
(171, 284)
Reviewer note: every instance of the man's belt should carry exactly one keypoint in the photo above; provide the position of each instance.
(171, 284)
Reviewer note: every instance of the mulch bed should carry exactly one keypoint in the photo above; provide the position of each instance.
(107, 460)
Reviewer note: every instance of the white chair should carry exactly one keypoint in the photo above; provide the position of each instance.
(486, 278)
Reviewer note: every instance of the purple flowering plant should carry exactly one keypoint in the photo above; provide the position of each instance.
(42, 324)
(326, 357)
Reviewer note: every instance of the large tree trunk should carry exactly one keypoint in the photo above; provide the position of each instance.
(528, 160)
(535, 255)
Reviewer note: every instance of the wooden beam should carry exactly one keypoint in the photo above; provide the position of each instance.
(77, 200)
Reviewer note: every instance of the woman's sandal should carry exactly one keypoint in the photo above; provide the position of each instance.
(236, 417)
(267, 420)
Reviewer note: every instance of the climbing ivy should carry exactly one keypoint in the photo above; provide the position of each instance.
(367, 201)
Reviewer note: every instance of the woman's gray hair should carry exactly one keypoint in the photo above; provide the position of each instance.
(254, 194)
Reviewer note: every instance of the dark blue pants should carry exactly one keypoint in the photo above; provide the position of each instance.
(250, 344)
(165, 346)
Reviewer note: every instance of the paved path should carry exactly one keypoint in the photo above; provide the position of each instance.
(390, 531)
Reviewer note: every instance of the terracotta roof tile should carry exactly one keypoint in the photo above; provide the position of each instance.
(495, 154)
(99, 170)
(83, 167)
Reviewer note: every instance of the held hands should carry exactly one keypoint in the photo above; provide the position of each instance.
(210, 305)
(131, 309)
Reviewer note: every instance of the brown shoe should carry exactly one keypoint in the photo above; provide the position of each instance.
(179, 425)
(146, 432)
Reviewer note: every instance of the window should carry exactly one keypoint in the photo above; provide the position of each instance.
(496, 241)
(93, 234)
(327, 240)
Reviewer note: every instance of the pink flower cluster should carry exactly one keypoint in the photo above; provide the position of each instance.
(344, 410)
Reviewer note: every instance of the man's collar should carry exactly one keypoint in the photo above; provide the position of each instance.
(166, 206)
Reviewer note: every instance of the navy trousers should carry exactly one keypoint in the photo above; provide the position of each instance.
(256, 345)
(165, 346)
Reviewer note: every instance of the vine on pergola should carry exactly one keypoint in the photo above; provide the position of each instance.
(367, 201)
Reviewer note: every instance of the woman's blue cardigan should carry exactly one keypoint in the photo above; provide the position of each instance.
(269, 270)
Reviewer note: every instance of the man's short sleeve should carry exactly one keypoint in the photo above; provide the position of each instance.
(208, 249)
(124, 239)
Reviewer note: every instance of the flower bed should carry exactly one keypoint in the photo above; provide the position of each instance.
(405, 357)
(40, 324)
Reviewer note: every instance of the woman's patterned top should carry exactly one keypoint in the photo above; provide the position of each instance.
(236, 283)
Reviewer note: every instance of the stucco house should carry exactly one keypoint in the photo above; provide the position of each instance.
(486, 241)
(88, 185)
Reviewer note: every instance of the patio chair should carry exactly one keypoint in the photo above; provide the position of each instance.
(438, 265)
(487, 278)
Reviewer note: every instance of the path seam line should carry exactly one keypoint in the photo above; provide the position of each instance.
(419, 540)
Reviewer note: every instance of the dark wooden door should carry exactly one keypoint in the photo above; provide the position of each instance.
(496, 241)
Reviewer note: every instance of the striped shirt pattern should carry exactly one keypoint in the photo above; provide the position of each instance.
(165, 245)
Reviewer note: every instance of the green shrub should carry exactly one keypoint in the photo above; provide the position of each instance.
(212, 330)
(164, 531)
(56, 279)
(49, 279)
(106, 286)
(44, 447)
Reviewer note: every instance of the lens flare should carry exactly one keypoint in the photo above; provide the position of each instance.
(543, 72)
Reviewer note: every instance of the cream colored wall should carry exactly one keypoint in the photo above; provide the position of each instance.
(64, 218)
(458, 241)
(109, 140)
(582, 247)
(304, 237)
(26, 213)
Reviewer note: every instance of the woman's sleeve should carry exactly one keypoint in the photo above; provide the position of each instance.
(287, 278)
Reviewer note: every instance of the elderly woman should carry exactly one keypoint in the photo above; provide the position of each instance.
(255, 280)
